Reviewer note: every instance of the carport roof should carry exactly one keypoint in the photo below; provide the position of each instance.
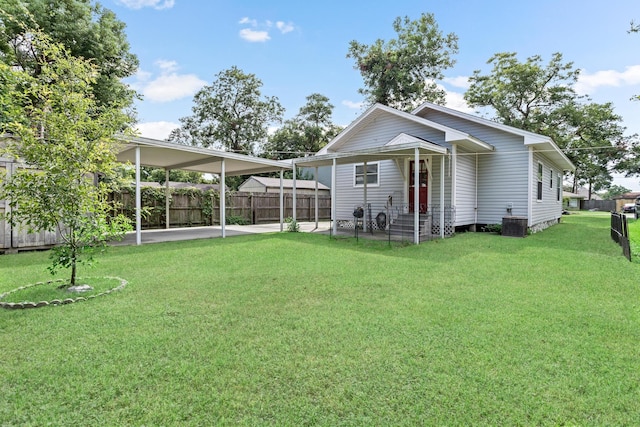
(167, 155)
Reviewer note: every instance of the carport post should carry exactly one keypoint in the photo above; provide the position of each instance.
(138, 199)
(223, 198)
(281, 200)
(416, 197)
(294, 192)
(167, 197)
(316, 197)
(364, 190)
(333, 198)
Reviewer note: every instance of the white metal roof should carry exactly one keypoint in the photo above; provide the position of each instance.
(163, 154)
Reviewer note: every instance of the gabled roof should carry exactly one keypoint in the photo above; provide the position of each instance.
(540, 142)
(378, 110)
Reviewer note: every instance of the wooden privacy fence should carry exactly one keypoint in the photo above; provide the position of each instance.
(620, 233)
(197, 208)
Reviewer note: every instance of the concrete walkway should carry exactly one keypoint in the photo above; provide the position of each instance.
(192, 233)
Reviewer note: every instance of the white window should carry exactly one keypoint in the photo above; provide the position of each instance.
(558, 188)
(372, 174)
(539, 195)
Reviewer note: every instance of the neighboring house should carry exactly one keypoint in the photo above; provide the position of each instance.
(468, 171)
(571, 200)
(260, 184)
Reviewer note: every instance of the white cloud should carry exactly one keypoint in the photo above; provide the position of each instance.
(248, 21)
(588, 83)
(139, 4)
(460, 81)
(261, 31)
(456, 101)
(285, 27)
(167, 66)
(254, 36)
(169, 85)
(156, 130)
(352, 105)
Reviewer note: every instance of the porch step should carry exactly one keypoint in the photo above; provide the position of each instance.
(403, 226)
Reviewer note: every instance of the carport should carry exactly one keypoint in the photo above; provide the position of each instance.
(169, 156)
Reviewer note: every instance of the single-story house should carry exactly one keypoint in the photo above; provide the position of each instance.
(572, 200)
(441, 169)
(261, 184)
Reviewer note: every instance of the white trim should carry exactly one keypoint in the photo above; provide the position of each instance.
(540, 182)
(377, 184)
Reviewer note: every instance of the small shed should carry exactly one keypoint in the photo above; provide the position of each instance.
(261, 184)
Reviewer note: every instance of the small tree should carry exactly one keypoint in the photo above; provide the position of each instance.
(63, 137)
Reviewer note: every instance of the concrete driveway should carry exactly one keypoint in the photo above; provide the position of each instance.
(192, 233)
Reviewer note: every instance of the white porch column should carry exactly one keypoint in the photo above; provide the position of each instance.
(442, 196)
(281, 200)
(333, 198)
(416, 196)
(364, 205)
(223, 199)
(454, 169)
(167, 197)
(317, 197)
(294, 207)
(138, 199)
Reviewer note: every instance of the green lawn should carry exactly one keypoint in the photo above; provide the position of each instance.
(297, 329)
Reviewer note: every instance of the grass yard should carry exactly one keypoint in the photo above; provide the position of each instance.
(297, 329)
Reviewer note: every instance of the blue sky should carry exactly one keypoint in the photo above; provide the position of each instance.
(298, 48)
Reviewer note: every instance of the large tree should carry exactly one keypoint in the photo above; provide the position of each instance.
(59, 133)
(541, 98)
(403, 72)
(306, 133)
(85, 28)
(230, 114)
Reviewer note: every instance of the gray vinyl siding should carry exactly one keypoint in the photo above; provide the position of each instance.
(465, 202)
(349, 196)
(391, 181)
(549, 208)
(435, 181)
(503, 176)
(387, 127)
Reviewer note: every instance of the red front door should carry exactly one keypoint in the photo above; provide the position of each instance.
(423, 179)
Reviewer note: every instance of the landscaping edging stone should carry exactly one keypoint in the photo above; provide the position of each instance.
(55, 302)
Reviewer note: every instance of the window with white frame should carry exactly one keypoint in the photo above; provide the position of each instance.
(539, 196)
(372, 174)
(558, 188)
(550, 178)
